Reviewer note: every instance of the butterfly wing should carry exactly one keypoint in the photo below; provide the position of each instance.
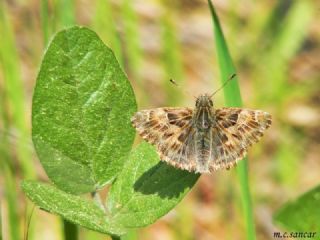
(171, 131)
(236, 129)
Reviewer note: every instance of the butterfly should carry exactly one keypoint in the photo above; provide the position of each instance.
(203, 139)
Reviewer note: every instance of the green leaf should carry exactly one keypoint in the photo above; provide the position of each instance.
(73, 208)
(81, 112)
(302, 214)
(147, 189)
(233, 98)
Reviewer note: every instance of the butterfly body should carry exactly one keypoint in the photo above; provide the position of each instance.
(204, 139)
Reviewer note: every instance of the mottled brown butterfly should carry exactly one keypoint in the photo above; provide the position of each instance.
(201, 139)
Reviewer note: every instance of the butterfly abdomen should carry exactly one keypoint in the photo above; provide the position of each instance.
(203, 144)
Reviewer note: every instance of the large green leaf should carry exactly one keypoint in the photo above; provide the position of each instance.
(302, 214)
(81, 112)
(147, 189)
(73, 208)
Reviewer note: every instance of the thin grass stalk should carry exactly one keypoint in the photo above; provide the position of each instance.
(105, 26)
(233, 99)
(171, 55)
(44, 14)
(66, 13)
(130, 23)
(10, 195)
(131, 38)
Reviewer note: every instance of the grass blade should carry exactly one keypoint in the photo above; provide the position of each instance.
(233, 99)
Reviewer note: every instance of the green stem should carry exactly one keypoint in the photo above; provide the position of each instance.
(70, 230)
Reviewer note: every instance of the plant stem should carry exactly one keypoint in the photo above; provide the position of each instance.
(70, 230)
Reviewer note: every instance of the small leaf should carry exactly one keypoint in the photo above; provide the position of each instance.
(147, 189)
(73, 208)
(302, 214)
(81, 112)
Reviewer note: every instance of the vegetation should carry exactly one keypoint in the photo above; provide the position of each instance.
(83, 100)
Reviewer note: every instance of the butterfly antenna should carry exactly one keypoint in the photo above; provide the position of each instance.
(177, 85)
(224, 84)
(174, 83)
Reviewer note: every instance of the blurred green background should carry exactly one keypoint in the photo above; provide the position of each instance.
(275, 47)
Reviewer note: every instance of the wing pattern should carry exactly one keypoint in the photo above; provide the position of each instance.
(180, 144)
(235, 130)
(171, 131)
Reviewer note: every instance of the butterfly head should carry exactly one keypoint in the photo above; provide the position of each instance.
(204, 101)
(203, 114)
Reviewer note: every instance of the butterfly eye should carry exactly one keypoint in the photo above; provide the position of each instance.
(197, 102)
(211, 103)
